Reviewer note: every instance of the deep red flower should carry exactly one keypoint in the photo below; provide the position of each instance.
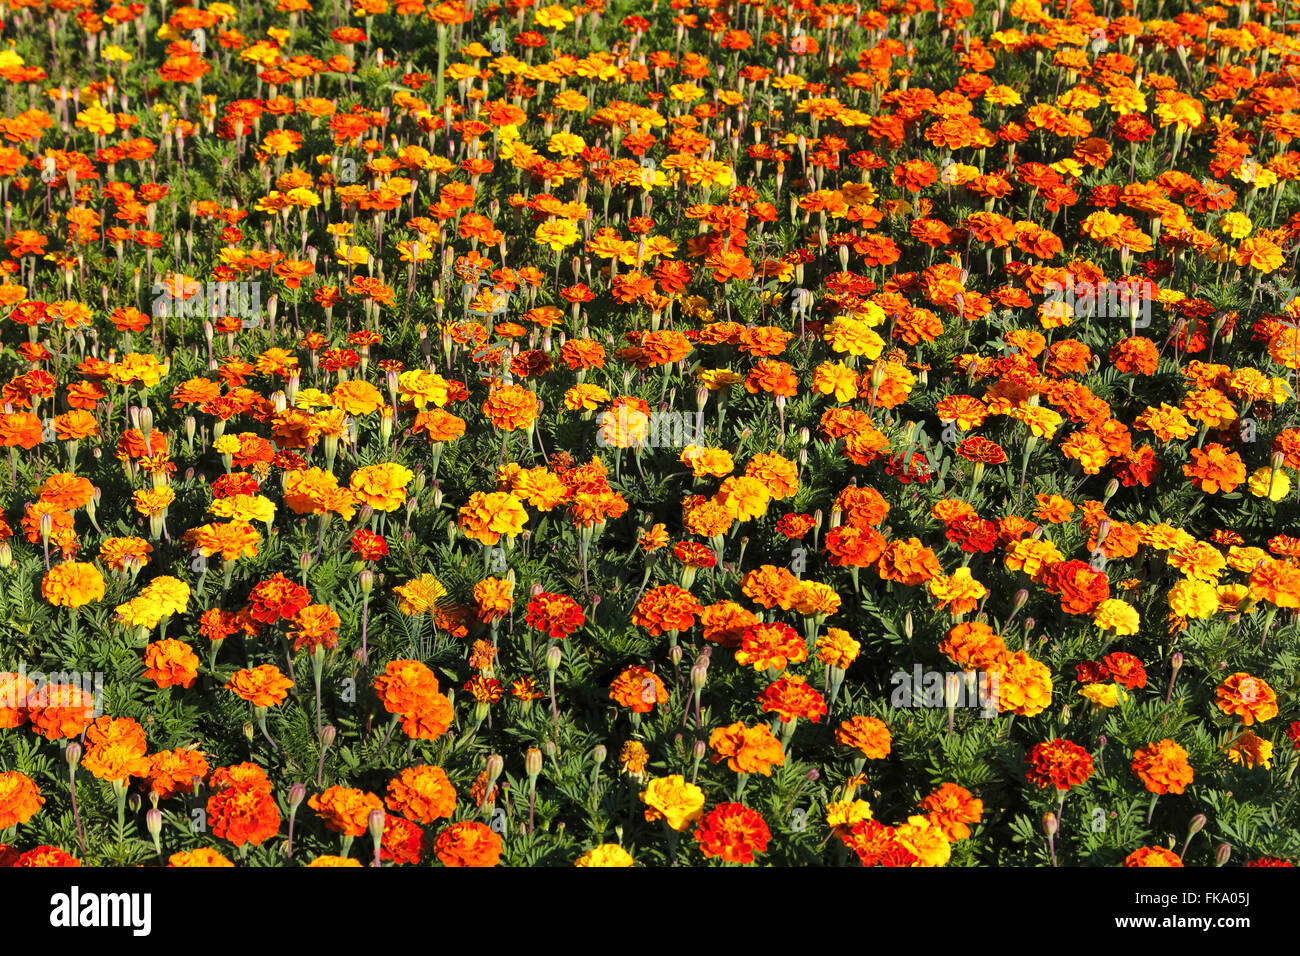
(369, 546)
(556, 614)
(277, 598)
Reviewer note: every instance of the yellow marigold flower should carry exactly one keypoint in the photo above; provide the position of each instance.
(924, 839)
(607, 854)
(854, 337)
(487, 516)
(420, 595)
(1101, 695)
(1117, 616)
(842, 814)
(1192, 598)
(1024, 685)
(708, 462)
(674, 801)
(1270, 484)
(382, 486)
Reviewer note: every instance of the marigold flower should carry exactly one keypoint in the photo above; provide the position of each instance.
(868, 735)
(170, 663)
(952, 809)
(732, 832)
(468, 843)
(488, 516)
(20, 798)
(607, 854)
(1153, 856)
(72, 584)
(1059, 763)
(421, 794)
(666, 608)
(639, 689)
(261, 686)
(345, 810)
(243, 814)
(673, 800)
(1162, 767)
(1249, 698)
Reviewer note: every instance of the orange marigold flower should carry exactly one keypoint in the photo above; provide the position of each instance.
(171, 663)
(638, 688)
(244, 814)
(666, 608)
(868, 735)
(468, 843)
(345, 810)
(952, 809)
(19, 799)
(261, 686)
(1215, 469)
(421, 794)
(1249, 698)
(1162, 767)
(747, 749)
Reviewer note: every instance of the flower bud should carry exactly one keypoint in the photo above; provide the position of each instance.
(907, 625)
(1176, 662)
(327, 735)
(297, 793)
(675, 654)
(73, 754)
(134, 802)
(495, 764)
(553, 656)
(1277, 460)
(6, 555)
(248, 730)
(533, 762)
(1221, 854)
(375, 824)
(548, 748)
(700, 672)
(1050, 824)
(699, 750)
(1112, 486)
(304, 561)
(1196, 825)
(153, 821)
(1021, 599)
(812, 776)
(366, 578)
(598, 754)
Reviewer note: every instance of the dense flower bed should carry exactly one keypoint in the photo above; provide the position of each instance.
(677, 433)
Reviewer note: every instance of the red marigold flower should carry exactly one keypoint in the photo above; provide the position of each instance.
(1058, 763)
(369, 546)
(277, 598)
(556, 614)
(733, 832)
(792, 697)
(1081, 588)
(1125, 669)
(981, 451)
